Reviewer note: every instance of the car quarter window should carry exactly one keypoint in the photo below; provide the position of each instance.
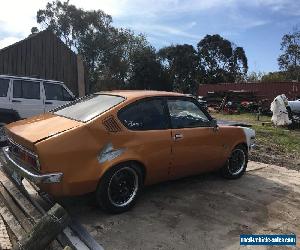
(56, 92)
(186, 114)
(3, 87)
(26, 89)
(144, 115)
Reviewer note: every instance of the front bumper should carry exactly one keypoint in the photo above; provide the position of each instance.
(13, 167)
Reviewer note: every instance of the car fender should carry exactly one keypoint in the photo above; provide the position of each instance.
(250, 136)
(110, 157)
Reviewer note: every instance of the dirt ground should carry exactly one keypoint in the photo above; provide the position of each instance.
(269, 151)
(202, 212)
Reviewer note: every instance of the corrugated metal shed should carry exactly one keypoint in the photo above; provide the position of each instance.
(267, 90)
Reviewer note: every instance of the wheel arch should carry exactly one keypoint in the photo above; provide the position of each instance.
(136, 163)
(244, 144)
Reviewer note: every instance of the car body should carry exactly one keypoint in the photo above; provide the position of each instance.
(294, 106)
(23, 97)
(76, 149)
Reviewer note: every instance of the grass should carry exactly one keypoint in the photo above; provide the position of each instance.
(275, 145)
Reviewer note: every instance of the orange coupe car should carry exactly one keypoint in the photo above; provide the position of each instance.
(116, 142)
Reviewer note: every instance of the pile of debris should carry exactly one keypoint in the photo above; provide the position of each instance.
(233, 101)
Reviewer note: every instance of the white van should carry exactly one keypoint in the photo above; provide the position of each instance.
(22, 97)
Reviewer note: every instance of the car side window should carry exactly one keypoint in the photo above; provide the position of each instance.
(66, 95)
(3, 87)
(186, 114)
(56, 92)
(144, 115)
(26, 89)
(53, 91)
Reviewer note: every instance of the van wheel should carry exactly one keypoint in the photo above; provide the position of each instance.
(119, 188)
(236, 164)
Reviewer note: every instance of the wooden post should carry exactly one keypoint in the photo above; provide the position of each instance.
(46, 230)
(80, 77)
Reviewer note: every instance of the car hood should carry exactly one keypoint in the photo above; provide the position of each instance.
(37, 128)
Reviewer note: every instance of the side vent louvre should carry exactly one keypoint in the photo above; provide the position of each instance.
(111, 124)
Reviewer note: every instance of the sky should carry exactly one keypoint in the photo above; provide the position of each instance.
(255, 25)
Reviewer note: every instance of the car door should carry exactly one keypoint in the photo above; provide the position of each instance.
(4, 94)
(196, 145)
(149, 136)
(55, 95)
(26, 99)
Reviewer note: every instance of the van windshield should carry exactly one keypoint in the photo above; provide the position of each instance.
(87, 108)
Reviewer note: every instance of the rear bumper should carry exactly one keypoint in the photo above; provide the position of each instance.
(13, 166)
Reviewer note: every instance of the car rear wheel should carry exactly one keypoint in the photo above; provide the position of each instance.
(119, 188)
(236, 164)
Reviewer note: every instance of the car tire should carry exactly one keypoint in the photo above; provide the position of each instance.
(236, 164)
(3, 137)
(119, 188)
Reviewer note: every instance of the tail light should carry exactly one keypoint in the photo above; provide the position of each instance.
(24, 154)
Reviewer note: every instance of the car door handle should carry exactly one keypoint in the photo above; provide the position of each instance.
(177, 137)
(16, 101)
(48, 102)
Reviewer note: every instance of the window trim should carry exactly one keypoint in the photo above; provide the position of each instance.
(151, 98)
(62, 91)
(193, 100)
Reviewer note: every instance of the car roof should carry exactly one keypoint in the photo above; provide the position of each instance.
(136, 94)
(29, 78)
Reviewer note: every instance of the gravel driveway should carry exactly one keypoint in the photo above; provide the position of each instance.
(203, 212)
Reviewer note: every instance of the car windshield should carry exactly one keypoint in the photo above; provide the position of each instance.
(89, 107)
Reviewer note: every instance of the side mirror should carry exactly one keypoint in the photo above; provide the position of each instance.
(213, 123)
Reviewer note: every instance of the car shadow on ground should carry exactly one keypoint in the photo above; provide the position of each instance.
(200, 212)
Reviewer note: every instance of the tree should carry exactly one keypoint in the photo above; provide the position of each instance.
(182, 64)
(108, 52)
(289, 60)
(254, 76)
(147, 71)
(278, 76)
(221, 60)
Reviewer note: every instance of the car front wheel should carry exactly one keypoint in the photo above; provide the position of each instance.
(236, 164)
(119, 188)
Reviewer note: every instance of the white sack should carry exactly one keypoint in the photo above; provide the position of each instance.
(280, 115)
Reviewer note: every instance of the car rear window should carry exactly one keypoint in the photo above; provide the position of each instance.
(89, 107)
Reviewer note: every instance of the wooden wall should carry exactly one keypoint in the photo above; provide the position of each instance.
(42, 55)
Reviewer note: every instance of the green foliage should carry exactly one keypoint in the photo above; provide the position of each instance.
(147, 72)
(182, 65)
(255, 76)
(274, 77)
(289, 60)
(221, 60)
